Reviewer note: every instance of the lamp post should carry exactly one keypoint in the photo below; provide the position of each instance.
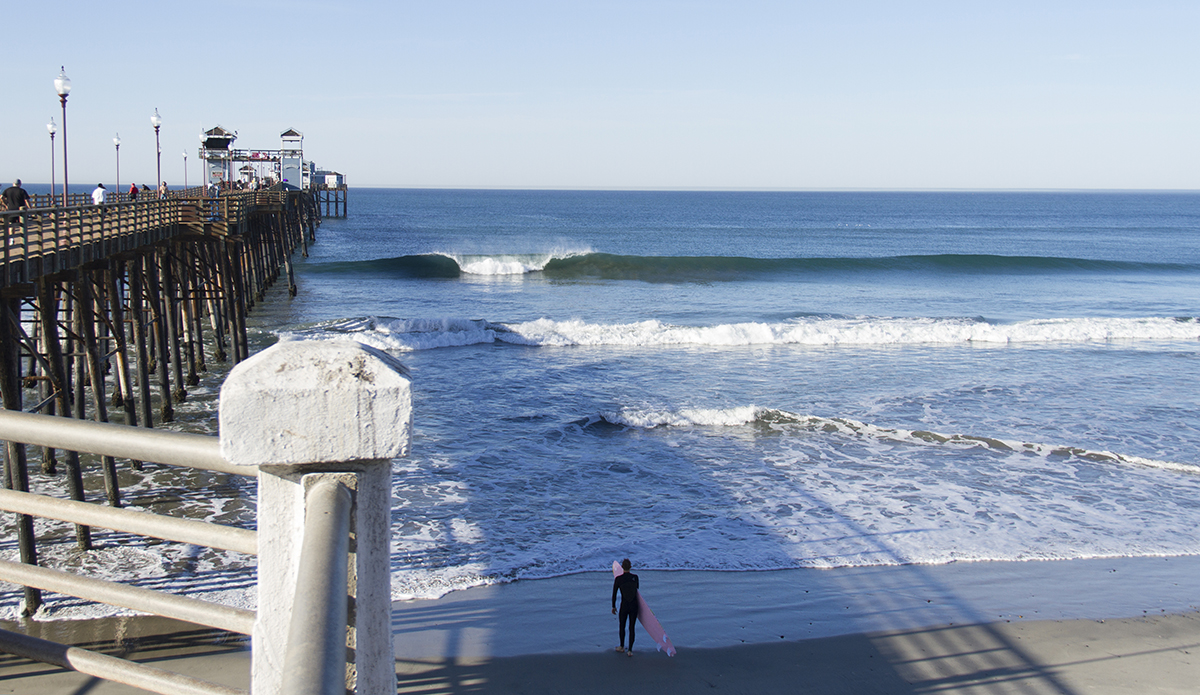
(185, 172)
(156, 121)
(52, 129)
(62, 85)
(117, 143)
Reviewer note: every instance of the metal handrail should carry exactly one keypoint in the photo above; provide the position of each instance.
(189, 450)
(321, 584)
(190, 610)
(198, 451)
(167, 528)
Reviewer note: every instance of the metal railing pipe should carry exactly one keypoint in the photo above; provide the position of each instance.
(189, 610)
(131, 521)
(111, 668)
(315, 662)
(120, 441)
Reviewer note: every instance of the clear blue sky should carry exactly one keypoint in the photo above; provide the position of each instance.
(643, 94)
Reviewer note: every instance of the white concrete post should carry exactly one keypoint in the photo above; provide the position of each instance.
(307, 409)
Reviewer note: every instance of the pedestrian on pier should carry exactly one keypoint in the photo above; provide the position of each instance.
(99, 197)
(133, 191)
(15, 198)
(162, 189)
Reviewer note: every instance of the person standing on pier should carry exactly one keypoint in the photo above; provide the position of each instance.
(162, 189)
(133, 191)
(15, 198)
(99, 197)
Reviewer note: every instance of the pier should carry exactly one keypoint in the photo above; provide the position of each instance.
(111, 312)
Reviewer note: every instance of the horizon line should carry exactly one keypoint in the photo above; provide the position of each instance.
(751, 189)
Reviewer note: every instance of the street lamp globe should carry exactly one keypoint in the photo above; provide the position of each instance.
(156, 121)
(52, 128)
(62, 83)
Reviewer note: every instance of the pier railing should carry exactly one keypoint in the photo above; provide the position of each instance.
(46, 240)
(318, 424)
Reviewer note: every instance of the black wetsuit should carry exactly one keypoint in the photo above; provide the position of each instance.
(627, 584)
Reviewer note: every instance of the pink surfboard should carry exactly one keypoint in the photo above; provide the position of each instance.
(646, 617)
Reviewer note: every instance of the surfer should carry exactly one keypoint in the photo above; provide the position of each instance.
(627, 584)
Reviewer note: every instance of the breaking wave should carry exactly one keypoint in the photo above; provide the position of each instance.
(585, 264)
(426, 334)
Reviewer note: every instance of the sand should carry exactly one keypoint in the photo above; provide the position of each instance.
(1138, 655)
(1080, 626)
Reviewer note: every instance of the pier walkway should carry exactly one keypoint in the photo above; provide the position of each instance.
(50, 239)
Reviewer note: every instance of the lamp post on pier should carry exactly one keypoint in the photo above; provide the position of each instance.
(185, 172)
(117, 143)
(156, 121)
(62, 85)
(52, 129)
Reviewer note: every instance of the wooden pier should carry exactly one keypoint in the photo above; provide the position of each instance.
(123, 305)
(331, 200)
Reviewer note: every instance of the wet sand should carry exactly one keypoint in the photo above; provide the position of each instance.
(1080, 626)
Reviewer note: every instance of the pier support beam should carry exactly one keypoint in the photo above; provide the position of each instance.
(48, 313)
(86, 306)
(137, 314)
(16, 469)
(305, 412)
(158, 310)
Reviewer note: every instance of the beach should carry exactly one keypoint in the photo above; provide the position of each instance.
(1124, 625)
(1137, 655)
(824, 427)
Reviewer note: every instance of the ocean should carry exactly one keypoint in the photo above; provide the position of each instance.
(748, 381)
(743, 381)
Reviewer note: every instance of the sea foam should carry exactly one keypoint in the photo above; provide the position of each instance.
(426, 334)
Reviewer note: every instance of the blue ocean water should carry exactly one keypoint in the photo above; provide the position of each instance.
(737, 381)
(741, 381)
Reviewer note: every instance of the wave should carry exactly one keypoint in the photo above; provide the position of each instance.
(781, 419)
(448, 265)
(426, 334)
(587, 264)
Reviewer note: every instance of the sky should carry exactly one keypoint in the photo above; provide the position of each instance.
(745, 94)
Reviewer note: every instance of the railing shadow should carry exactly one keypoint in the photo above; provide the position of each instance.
(143, 639)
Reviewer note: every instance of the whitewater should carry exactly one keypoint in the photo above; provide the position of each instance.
(426, 334)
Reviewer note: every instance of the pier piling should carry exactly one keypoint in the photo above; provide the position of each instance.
(96, 304)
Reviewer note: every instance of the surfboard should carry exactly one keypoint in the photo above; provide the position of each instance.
(646, 617)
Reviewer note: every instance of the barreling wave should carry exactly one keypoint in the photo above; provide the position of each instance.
(782, 420)
(426, 334)
(450, 265)
(585, 264)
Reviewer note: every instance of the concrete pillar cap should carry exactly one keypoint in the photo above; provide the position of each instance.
(301, 402)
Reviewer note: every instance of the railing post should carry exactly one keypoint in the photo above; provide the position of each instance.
(304, 408)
